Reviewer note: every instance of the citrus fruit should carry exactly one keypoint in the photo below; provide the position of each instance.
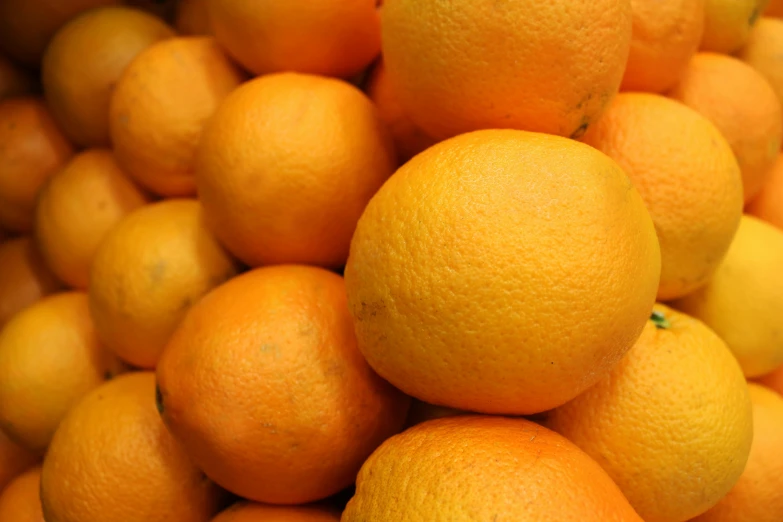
(474, 268)
(84, 61)
(743, 300)
(461, 469)
(762, 50)
(159, 108)
(768, 203)
(774, 8)
(112, 460)
(286, 166)
(32, 148)
(673, 441)
(76, 209)
(253, 512)
(688, 177)
(13, 80)
(773, 380)
(461, 65)
(14, 459)
(728, 23)
(327, 37)
(293, 422)
(25, 277)
(192, 18)
(149, 269)
(742, 105)
(666, 34)
(50, 358)
(20, 501)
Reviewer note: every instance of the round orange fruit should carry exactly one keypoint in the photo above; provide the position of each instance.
(461, 65)
(286, 166)
(763, 49)
(294, 420)
(14, 460)
(768, 203)
(253, 512)
(21, 501)
(159, 108)
(474, 267)
(728, 23)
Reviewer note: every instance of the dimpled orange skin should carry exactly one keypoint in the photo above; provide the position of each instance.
(286, 166)
(473, 268)
(742, 105)
(666, 34)
(21, 501)
(688, 177)
(77, 208)
(160, 106)
(462, 469)
(151, 267)
(673, 441)
(773, 380)
(762, 51)
(32, 148)
(14, 459)
(464, 65)
(744, 299)
(264, 386)
(50, 358)
(768, 203)
(253, 512)
(84, 61)
(325, 37)
(112, 460)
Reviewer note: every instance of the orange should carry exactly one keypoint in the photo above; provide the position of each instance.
(192, 17)
(773, 380)
(728, 23)
(151, 267)
(77, 208)
(32, 148)
(688, 177)
(50, 358)
(159, 108)
(20, 501)
(666, 34)
(473, 269)
(673, 440)
(25, 277)
(470, 468)
(462, 65)
(742, 105)
(768, 203)
(286, 166)
(293, 422)
(742, 301)
(774, 8)
(14, 459)
(408, 137)
(112, 460)
(13, 80)
(327, 37)
(27, 26)
(763, 49)
(84, 62)
(252, 512)
(758, 496)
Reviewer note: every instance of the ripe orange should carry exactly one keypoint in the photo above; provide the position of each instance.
(14, 459)
(77, 208)
(408, 137)
(13, 80)
(768, 204)
(160, 106)
(688, 177)
(470, 468)
(666, 34)
(84, 62)
(50, 358)
(742, 105)
(32, 148)
(742, 301)
(295, 419)
(758, 496)
(773, 380)
(27, 26)
(326, 37)
(763, 49)
(473, 268)
(774, 8)
(151, 267)
(24, 279)
(673, 440)
(112, 460)
(20, 501)
(253, 512)
(728, 23)
(461, 65)
(192, 18)
(286, 166)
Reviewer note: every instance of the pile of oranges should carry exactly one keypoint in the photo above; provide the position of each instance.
(391, 261)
